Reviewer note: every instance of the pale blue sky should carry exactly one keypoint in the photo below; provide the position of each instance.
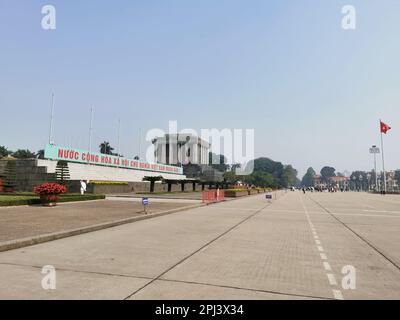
(312, 91)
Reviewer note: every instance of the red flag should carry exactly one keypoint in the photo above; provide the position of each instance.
(384, 127)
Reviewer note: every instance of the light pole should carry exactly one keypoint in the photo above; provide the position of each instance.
(90, 129)
(369, 181)
(375, 150)
(51, 138)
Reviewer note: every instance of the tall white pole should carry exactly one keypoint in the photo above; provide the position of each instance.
(383, 158)
(51, 119)
(90, 129)
(119, 126)
(140, 143)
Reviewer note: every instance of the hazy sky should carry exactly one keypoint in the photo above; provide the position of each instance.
(312, 91)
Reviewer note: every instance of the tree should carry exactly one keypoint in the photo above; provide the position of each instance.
(269, 173)
(23, 154)
(326, 173)
(270, 166)
(4, 152)
(62, 171)
(218, 162)
(105, 148)
(289, 176)
(261, 179)
(231, 177)
(308, 178)
(359, 180)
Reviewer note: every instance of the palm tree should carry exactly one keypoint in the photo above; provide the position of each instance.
(105, 148)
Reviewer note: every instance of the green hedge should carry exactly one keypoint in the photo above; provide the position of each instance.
(109, 183)
(9, 200)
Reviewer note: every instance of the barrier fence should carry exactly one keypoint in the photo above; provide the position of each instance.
(213, 196)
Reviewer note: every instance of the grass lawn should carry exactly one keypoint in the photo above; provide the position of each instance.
(19, 199)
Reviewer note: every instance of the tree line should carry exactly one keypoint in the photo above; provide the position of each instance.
(266, 173)
(19, 154)
(358, 179)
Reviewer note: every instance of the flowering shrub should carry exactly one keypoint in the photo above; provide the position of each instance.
(50, 188)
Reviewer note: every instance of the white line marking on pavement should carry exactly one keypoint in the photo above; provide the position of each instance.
(338, 294)
(332, 279)
(327, 266)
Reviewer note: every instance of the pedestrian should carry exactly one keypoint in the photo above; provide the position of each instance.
(83, 187)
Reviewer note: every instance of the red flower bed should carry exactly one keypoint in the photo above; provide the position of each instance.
(50, 189)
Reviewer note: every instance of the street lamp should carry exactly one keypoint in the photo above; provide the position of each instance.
(375, 150)
(369, 181)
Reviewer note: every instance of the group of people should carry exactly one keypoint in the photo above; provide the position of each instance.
(322, 189)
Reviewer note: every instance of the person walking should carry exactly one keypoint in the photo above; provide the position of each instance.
(83, 187)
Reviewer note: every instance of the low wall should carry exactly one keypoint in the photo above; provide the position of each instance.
(32, 172)
(143, 186)
(80, 171)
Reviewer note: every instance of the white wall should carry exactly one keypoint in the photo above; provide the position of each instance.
(79, 171)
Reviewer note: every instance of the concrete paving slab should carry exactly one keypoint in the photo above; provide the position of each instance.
(144, 248)
(171, 290)
(25, 283)
(247, 248)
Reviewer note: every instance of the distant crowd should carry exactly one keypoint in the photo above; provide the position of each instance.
(321, 189)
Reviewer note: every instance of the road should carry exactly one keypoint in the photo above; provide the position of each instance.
(293, 248)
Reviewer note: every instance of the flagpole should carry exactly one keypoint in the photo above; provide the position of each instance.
(90, 129)
(383, 158)
(51, 119)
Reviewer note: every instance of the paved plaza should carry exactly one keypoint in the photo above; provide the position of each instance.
(295, 247)
(34, 221)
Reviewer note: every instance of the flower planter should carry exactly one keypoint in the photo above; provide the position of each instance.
(48, 200)
(49, 193)
(252, 191)
(235, 194)
(9, 189)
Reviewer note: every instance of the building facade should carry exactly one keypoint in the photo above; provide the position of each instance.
(181, 149)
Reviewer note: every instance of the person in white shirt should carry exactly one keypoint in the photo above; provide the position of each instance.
(83, 187)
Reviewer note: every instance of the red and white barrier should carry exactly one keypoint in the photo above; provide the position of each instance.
(213, 196)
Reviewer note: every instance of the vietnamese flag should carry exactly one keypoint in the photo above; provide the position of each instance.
(384, 127)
